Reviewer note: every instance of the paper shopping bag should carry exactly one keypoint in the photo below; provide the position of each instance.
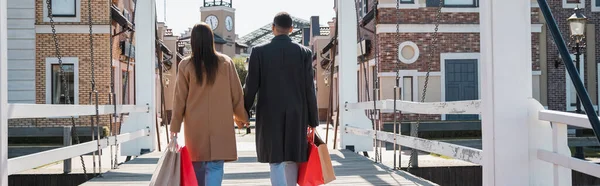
(188, 175)
(326, 165)
(310, 173)
(167, 172)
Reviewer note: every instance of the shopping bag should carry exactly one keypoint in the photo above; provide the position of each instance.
(168, 172)
(310, 173)
(188, 175)
(326, 166)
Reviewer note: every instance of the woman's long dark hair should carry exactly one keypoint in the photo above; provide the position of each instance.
(204, 55)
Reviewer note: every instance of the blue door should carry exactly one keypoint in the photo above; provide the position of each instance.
(461, 84)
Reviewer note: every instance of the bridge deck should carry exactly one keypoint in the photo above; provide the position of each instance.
(350, 168)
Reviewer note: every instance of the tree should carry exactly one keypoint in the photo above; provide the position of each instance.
(240, 67)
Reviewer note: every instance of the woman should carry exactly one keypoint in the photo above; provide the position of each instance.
(208, 98)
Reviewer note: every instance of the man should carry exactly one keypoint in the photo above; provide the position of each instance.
(281, 73)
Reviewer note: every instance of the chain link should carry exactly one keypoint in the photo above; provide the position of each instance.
(95, 92)
(61, 73)
(112, 99)
(125, 89)
(363, 66)
(433, 45)
(395, 113)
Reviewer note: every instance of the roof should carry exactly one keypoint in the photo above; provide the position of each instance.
(219, 39)
(117, 16)
(265, 34)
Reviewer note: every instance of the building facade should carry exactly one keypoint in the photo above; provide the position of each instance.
(36, 78)
(399, 40)
(561, 93)
(401, 37)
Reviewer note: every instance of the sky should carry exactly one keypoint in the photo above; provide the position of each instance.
(249, 14)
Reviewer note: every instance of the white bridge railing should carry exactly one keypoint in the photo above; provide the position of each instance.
(451, 150)
(17, 111)
(560, 121)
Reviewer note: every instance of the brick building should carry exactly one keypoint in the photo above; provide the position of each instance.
(454, 65)
(561, 94)
(72, 30)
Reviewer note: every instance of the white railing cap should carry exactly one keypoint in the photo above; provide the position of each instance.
(573, 119)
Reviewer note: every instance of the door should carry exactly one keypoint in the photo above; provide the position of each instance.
(461, 84)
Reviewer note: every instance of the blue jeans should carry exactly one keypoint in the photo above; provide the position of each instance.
(209, 173)
(284, 174)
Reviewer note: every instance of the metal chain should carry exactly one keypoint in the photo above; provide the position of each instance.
(371, 113)
(396, 86)
(95, 92)
(63, 79)
(112, 96)
(433, 45)
(125, 89)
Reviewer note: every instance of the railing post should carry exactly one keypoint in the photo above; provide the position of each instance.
(347, 79)
(67, 142)
(511, 130)
(145, 77)
(562, 175)
(3, 96)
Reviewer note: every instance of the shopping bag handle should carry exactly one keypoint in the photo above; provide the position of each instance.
(173, 144)
(311, 135)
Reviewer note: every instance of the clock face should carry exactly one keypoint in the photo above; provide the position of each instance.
(229, 23)
(213, 21)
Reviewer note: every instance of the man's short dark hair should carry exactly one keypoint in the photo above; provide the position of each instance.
(283, 20)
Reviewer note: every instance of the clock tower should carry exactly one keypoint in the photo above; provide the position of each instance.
(220, 15)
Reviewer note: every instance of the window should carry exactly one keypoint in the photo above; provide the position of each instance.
(407, 86)
(358, 85)
(596, 5)
(55, 93)
(364, 7)
(126, 100)
(127, 15)
(63, 10)
(460, 3)
(574, 3)
(453, 3)
(571, 92)
(407, 1)
(58, 94)
(409, 52)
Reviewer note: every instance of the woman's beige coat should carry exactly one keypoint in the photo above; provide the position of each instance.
(208, 111)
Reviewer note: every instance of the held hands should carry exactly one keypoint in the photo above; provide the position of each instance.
(241, 124)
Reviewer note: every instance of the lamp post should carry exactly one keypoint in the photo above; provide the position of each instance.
(577, 23)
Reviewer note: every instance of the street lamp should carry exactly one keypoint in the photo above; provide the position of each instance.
(577, 23)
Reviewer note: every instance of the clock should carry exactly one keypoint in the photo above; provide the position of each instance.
(229, 23)
(213, 21)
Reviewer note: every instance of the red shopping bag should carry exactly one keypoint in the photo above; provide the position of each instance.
(310, 173)
(188, 175)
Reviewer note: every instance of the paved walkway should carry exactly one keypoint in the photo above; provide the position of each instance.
(350, 168)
